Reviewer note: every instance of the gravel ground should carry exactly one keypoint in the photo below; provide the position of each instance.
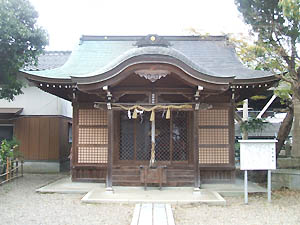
(284, 209)
(19, 204)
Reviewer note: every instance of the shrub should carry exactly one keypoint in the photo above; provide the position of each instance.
(9, 149)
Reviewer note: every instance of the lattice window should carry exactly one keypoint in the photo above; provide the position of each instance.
(92, 117)
(162, 138)
(179, 136)
(92, 155)
(213, 136)
(135, 137)
(127, 136)
(213, 155)
(143, 138)
(93, 136)
(213, 117)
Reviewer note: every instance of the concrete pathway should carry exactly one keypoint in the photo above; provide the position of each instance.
(153, 214)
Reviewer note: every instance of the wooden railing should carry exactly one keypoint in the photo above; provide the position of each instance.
(13, 170)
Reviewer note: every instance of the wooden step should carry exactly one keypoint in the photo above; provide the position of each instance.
(125, 178)
(179, 173)
(125, 172)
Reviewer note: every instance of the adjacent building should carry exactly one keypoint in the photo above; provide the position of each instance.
(40, 121)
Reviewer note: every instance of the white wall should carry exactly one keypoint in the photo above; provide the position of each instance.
(37, 102)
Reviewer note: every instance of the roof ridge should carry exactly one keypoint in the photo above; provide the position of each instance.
(166, 37)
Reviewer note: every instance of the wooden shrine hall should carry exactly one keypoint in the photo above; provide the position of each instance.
(153, 109)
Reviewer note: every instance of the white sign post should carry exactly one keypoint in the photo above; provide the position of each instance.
(257, 154)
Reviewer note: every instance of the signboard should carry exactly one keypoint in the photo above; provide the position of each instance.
(258, 154)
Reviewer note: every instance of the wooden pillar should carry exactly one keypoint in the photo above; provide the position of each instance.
(196, 151)
(110, 150)
(74, 147)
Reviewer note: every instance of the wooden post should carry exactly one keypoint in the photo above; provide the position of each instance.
(7, 168)
(12, 174)
(269, 185)
(152, 160)
(75, 131)
(196, 152)
(17, 167)
(246, 186)
(110, 150)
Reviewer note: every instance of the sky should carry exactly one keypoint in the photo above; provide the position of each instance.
(67, 20)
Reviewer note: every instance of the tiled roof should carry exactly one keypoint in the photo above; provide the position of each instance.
(50, 60)
(96, 55)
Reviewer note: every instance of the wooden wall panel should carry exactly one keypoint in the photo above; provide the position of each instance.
(21, 126)
(43, 138)
(54, 139)
(34, 138)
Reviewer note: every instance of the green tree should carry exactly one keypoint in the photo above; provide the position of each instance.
(276, 24)
(258, 58)
(21, 42)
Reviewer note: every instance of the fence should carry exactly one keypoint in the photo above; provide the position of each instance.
(11, 170)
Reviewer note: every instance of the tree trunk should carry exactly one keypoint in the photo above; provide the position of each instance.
(245, 135)
(245, 118)
(296, 129)
(284, 130)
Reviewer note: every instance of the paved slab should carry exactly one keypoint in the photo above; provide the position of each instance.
(66, 186)
(234, 189)
(153, 195)
(152, 214)
(96, 192)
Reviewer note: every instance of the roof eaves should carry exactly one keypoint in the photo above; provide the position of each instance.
(266, 79)
(35, 78)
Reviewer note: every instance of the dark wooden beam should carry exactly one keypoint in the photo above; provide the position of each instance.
(139, 90)
(75, 132)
